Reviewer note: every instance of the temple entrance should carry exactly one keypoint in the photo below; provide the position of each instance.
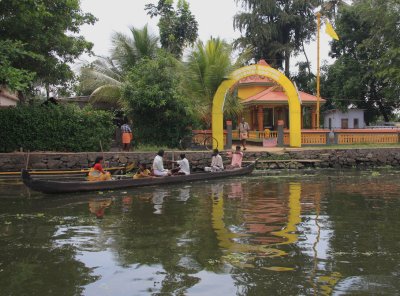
(292, 116)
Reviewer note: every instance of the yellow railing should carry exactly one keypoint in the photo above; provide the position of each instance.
(313, 139)
(375, 138)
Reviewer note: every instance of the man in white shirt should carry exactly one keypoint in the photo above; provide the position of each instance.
(244, 129)
(217, 164)
(158, 165)
(184, 166)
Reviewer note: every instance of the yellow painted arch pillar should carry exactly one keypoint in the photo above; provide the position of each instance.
(266, 71)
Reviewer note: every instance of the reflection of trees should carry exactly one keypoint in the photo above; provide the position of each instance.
(365, 217)
(180, 238)
(32, 265)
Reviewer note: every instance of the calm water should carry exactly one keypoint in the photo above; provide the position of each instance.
(327, 233)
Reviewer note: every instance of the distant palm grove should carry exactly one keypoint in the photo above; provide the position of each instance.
(165, 83)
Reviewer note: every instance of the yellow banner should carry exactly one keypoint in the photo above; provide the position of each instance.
(330, 31)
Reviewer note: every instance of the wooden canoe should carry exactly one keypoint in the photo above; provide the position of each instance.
(54, 187)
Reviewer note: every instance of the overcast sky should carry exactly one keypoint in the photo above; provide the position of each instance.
(215, 18)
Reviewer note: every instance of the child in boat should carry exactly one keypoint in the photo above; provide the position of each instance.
(184, 166)
(237, 158)
(142, 172)
(217, 164)
(97, 173)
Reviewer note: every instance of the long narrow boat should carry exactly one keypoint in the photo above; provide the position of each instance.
(54, 187)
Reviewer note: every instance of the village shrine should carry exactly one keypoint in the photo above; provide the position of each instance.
(265, 103)
(270, 100)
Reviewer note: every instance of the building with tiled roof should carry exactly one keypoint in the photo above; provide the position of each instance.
(265, 102)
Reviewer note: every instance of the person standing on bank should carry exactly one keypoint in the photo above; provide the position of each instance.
(127, 136)
(244, 129)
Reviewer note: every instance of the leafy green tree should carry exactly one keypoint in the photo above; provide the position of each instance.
(207, 67)
(10, 76)
(276, 29)
(103, 79)
(366, 73)
(305, 80)
(50, 29)
(159, 110)
(178, 27)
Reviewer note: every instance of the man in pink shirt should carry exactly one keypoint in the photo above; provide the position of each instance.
(237, 158)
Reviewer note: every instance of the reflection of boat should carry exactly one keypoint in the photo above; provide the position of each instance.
(49, 186)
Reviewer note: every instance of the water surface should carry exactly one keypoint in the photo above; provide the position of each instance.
(324, 233)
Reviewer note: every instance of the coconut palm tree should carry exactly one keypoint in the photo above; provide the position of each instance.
(104, 77)
(207, 66)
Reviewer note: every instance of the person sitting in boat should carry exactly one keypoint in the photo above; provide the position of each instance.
(184, 166)
(237, 158)
(217, 164)
(142, 172)
(158, 165)
(97, 173)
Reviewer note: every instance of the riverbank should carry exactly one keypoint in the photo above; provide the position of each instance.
(274, 159)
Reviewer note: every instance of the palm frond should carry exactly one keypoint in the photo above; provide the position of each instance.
(107, 94)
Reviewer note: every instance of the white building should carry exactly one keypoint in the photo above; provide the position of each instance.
(7, 99)
(352, 118)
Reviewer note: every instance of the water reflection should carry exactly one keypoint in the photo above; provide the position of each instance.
(302, 235)
(98, 206)
(158, 199)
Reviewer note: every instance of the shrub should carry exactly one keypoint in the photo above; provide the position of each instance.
(54, 128)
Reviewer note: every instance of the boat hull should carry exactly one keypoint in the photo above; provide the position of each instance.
(59, 187)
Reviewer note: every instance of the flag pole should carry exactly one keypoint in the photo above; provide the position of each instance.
(318, 66)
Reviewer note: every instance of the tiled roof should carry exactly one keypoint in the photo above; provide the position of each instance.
(273, 94)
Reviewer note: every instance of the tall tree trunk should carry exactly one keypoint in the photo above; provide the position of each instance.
(306, 56)
(47, 87)
(287, 63)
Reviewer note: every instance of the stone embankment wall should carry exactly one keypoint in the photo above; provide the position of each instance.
(292, 159)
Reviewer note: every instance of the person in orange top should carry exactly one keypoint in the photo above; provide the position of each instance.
(97, 173)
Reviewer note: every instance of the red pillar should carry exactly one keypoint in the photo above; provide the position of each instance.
(260, 118)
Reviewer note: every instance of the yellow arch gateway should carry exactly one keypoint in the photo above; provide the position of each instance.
(266, 71)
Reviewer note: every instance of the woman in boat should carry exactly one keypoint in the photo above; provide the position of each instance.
(237, 158)
(97, 173)
(142, 172)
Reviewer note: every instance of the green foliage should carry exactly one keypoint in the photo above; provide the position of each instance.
(158, 108)
(14, 78)
(178, 27)
(207, 67)
(103, 79)
(54, 128)
(366, 73)
(305, 80)
(47, 28)
(276, 29)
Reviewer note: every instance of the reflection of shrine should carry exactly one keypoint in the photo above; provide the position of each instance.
(270, 223)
